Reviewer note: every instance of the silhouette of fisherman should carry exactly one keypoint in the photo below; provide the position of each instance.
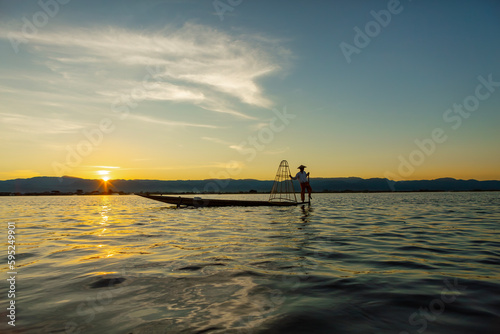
(303, 178)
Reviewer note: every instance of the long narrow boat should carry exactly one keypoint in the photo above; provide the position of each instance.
(207, 202)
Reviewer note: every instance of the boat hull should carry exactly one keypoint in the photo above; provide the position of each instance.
(210, 202)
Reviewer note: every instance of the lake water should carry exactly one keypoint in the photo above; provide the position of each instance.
(349, 263)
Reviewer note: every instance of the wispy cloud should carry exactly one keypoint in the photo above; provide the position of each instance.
(232, 164)
(192, 64)
(149, 119)
(240, 148)
(39, 125)
(159, 91)
(217, 141)
(224, 143)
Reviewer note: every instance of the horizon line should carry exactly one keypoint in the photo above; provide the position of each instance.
(209, 179)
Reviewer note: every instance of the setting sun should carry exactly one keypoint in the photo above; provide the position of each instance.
(104, 175)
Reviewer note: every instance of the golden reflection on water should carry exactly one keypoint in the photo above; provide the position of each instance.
(98, 237)
(206, 266)
(105, 208)
(228, 232)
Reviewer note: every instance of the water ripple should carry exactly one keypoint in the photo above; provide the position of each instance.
(350, 263)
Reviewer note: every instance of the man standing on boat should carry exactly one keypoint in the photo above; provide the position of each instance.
(303, 178)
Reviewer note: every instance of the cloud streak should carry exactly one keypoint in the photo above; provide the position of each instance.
(39, 125)
(192, 64)
(148, 119)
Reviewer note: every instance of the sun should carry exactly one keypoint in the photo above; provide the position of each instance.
(105, 175)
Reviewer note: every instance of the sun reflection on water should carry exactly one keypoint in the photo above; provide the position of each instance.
(213, 261)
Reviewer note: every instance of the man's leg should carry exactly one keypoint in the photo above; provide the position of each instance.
(302, 192)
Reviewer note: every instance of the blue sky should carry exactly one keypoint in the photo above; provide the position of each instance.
(178, 89)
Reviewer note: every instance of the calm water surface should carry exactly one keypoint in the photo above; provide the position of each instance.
(349, 263)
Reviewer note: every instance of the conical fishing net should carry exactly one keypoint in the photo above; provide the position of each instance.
(282, 190)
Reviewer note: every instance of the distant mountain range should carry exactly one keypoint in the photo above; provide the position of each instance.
(77, 185)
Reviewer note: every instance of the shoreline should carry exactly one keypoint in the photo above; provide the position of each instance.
(241, 192)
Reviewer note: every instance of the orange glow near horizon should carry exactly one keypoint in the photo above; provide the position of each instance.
(266, 171)
(487, 175)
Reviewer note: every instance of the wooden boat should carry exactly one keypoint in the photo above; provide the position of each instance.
(282, 194)
(208, 202)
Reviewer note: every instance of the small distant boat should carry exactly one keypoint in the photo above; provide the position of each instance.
(212, 202)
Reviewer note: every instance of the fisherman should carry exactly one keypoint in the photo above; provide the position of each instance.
(303, 178)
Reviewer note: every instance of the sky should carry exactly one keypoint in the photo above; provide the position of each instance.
(203, 89)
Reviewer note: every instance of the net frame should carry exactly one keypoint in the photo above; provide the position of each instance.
(283, 190)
